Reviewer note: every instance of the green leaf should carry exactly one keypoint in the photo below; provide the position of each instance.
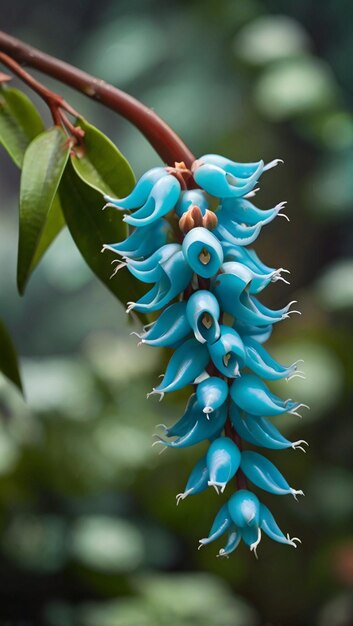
(20, 123)
(43, 166)
(54, 223)
(8, 358)
(90, 228)
(101, 165)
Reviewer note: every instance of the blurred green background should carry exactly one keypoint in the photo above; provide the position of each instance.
(90, 534)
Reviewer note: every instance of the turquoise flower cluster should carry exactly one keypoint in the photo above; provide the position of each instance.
(206, 281)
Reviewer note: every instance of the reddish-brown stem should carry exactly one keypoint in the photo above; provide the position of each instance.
(230, 432)
(56, 103)
(75, 131)
(204, 283)
(52, 99)
(164, 140)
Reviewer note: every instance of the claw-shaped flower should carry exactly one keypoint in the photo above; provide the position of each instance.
(240, 222)
(228, 353)
(211, 393)
(197, 481)
(261, 363)
(251, 394)
(169, 329)
(224, 178)
(155, 194)
(202, 312)
(245, 517)
(186, 364)
(175, 275)
(232, 287)
(150, 269)
(142, 242)
(223, 460)
(265, 474)
(260, 431)
(187, 420)
(200, 428)
(203, 252)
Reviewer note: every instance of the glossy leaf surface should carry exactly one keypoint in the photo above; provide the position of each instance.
(20, 123)
(100, 164)
(90, 228)
(43, 166)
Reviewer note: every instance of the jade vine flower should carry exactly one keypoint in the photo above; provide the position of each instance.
(205, 281)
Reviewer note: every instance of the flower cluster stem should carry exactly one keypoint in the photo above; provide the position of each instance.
(234, 436)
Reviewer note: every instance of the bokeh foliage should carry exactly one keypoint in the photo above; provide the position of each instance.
(89, 529)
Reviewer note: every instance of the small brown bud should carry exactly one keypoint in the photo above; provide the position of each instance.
(191, 218)
(186, 222)
(196, 215)
(209, 220)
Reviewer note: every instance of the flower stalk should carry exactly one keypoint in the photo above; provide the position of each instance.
(165, 141)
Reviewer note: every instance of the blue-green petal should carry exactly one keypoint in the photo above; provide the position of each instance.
(265, 475)
(223, 460)
(212, 393)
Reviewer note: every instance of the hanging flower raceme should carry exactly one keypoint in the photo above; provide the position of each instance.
(200, 270)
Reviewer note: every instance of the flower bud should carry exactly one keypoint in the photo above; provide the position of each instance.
(223, 460)
(244, 509)
(211, 393)
(209, 220)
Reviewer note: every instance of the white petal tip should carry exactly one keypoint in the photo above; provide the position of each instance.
(272, 164)
(291, 541)
(216, 486)
(297, 492)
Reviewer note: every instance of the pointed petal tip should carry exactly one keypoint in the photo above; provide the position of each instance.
(291, 541)
(215, 486)
(296, 445)
(297, 492)
(163, 426)
(252, 193)
(179, 497)
(155, 443)
(222, 554)
(156, 392)
(272, 164)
